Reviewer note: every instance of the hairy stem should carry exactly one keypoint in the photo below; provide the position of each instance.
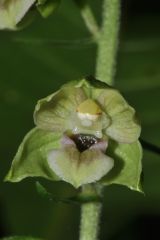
(90, 214)
(89, 18)
(108, 41)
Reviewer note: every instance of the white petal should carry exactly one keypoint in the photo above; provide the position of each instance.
(79, 168)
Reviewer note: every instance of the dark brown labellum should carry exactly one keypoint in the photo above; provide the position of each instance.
(83, 141)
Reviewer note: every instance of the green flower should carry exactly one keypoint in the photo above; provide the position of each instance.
(83, 131)
(12, 12)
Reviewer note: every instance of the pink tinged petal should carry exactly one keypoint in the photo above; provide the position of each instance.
(67, 141)
(102, 145)
(79, 168)
(84, 142)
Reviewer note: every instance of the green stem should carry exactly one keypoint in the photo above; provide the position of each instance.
(89, 18)
(108, 41)
(90, 214)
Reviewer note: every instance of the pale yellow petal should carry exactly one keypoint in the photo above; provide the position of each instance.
(79, 168)
(54, 112)
(124, 126)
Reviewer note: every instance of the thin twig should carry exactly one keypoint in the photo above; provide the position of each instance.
(89, 18)
(149, 146)
(58, 43)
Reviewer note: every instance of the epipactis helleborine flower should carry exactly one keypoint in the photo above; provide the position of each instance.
(87, 114)
(12, 12)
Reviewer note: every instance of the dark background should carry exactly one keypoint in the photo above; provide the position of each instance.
(32, 66)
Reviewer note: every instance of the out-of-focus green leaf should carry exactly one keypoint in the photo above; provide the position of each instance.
(127, 167)
(46, 8)
(20, 238)
(31, 157)
(42, 1)
(80, 3)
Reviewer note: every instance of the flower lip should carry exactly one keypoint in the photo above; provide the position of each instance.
(80, 165)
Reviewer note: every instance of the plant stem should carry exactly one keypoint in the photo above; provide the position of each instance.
(108, 41)
(89, 18)
(90, 214)
(107, 47)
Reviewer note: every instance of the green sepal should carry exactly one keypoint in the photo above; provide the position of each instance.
(127, 165)
(47, 7)
(124, 127)
(31, 157)
(53, 113)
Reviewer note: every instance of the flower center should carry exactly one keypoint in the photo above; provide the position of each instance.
(83, 141)
(88, 111)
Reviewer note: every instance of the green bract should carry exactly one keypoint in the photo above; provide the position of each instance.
(86, 132)
(12, 12)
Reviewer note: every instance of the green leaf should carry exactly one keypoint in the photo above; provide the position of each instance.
(46, 8)
(31, 157)
(127, 166)
(20, 238)
(12, 12)
(80, 3)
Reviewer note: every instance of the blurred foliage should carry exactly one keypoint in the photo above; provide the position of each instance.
(20, 238)
(34, 64)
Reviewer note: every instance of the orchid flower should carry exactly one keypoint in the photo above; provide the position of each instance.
(84, 117)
